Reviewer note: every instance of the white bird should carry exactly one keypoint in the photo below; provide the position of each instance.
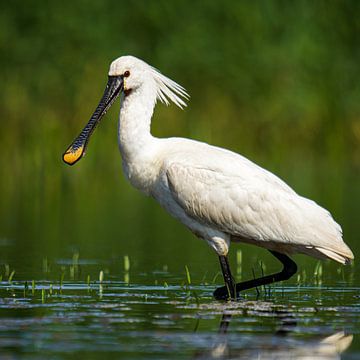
(219, 195)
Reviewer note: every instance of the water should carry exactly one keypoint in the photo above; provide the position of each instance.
(62, 228)
(160, 314)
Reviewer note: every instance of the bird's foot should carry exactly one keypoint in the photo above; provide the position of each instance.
(223, 293)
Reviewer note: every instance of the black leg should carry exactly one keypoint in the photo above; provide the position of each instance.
(224, 324)
(229, 290)
(288, 270)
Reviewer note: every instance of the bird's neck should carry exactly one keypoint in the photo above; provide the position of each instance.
(137, 146)
(134, 124)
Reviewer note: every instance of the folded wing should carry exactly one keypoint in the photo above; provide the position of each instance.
(251, 203)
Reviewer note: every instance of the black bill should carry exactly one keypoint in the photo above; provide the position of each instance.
(77, 149)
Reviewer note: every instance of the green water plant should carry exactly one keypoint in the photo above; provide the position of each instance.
(101, 276)
(126, 263)
(188, 277)
(238, 264)
(126, 269)
(318, 273)
(62, 276)
(11, 276)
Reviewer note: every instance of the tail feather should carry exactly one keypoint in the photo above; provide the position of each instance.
(343, 257)
(325, 234)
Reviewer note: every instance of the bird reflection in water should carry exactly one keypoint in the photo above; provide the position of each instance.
(280, 346)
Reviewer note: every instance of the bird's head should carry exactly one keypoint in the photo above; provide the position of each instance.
(133, 72)
(127, 75)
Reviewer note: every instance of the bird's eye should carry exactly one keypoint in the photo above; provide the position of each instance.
(127, 73)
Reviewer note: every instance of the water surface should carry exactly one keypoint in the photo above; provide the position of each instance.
(159, 314)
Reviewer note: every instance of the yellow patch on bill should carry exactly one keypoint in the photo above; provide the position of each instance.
(71, 156)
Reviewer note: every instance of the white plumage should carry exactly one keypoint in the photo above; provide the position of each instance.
(219, 195)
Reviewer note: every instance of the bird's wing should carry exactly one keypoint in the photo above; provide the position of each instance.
(232, 204)
(257, 206)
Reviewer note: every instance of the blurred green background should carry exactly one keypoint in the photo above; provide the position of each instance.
(276, 81)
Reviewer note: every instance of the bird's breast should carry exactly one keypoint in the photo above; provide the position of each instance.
(141, 173)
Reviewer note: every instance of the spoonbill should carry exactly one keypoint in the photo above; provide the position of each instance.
(221, 196)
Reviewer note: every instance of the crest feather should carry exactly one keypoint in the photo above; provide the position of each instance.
(168, 89)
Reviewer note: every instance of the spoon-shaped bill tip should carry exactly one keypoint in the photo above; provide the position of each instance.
(72, 155)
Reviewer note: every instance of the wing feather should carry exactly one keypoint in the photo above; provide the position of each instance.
(259, 207)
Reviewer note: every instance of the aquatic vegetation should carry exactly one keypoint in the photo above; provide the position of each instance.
(132, 316)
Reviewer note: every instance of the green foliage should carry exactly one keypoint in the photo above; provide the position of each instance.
(277, 81)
